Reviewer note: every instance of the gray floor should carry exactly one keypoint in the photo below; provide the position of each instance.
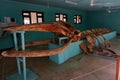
(80, 67)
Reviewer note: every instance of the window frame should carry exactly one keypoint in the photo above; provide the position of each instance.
(29, 16)
(64, 16)
(77, 19)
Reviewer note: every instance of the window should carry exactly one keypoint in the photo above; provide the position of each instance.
(40, 17)
(31, 17)
(61, 17)
(77, 19)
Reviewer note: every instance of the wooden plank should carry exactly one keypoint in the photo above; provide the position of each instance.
(117, 68)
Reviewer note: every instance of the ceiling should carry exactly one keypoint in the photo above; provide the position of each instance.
(78, 4)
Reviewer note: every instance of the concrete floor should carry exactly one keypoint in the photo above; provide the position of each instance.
(80, 67)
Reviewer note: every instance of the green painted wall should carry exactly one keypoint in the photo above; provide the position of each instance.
(6, 42)
(104, 20)
(14, 9)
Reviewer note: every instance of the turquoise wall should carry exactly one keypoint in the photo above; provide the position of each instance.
(14, 9)
(104, 20)
(6, 42)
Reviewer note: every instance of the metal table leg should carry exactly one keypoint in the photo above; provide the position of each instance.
(20, 59)
(23, 72)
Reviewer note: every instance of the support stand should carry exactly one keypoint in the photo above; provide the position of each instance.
(23, 73)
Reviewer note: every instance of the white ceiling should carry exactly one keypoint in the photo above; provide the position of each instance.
(77, 4)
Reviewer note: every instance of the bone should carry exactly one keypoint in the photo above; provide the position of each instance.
(39, 53)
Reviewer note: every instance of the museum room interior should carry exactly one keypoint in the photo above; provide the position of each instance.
(59, 39)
